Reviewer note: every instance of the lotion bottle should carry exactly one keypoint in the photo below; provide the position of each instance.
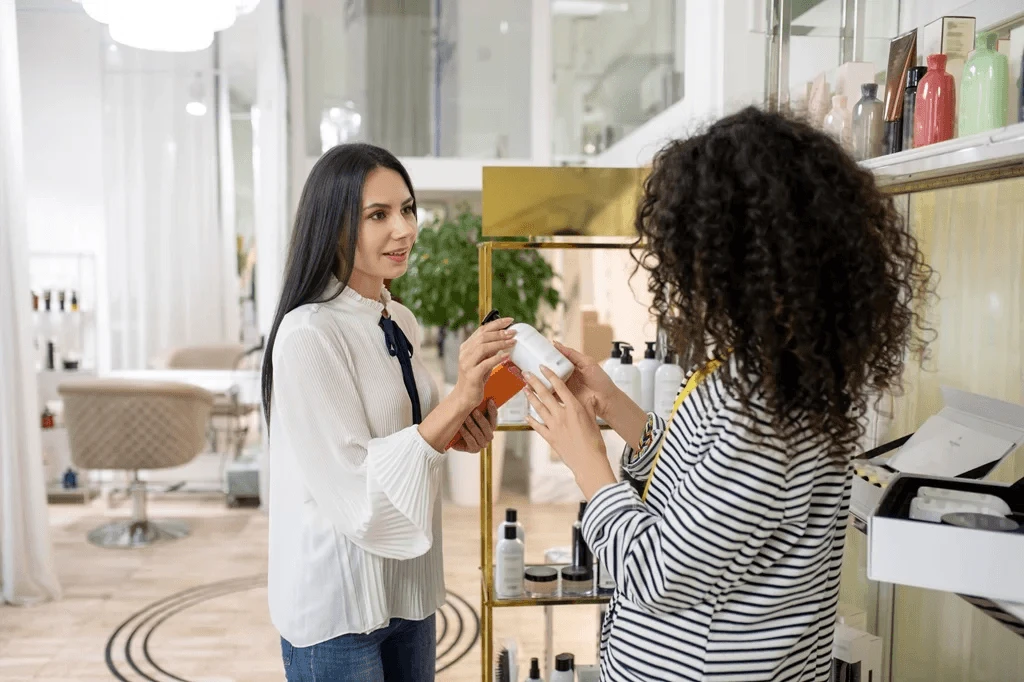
(511, 519)
(626, 376)
(510, 558)
(648, 367)
(564, 666)
(667, 382)
(613, 361)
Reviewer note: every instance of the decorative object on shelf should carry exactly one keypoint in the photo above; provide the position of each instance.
(1020, 91)
(983, 90)
(69, 480)
(867, 123)
(507, 667)
(936, 104)
(565, 666)
(837, 123)
(648, 367)
(441, 286)
(167, 25)
(902, 56)
(818, 100)
(541, 581)
(509, 555)
(951, 36)
(534, 671)
(47, 419)
(910, 104)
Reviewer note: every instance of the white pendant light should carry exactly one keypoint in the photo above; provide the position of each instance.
(196, 104)
(167, 25)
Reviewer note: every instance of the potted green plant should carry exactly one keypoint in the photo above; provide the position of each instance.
(441, 286)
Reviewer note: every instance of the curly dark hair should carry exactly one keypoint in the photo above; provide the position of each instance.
(766, 240)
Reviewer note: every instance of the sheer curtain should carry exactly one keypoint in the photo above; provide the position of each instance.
(168, 257)
(26, 563)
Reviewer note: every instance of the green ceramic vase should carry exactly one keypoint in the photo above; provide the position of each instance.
(983, 89)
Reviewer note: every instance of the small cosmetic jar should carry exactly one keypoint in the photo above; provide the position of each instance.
(577, 581)
(541, 581)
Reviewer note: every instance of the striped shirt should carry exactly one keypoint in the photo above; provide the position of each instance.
(730, 570)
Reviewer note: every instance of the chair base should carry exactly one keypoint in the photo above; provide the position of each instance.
(129, 534)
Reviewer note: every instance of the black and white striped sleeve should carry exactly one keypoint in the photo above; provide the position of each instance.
(713, 530)
(638, 463)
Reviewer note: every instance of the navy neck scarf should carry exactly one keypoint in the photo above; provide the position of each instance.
(399, 346)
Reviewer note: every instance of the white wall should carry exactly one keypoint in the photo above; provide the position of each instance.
(62, 102)
(724, 53)
(917, 13)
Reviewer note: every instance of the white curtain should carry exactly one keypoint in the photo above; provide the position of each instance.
(26, 563)
(169, 270)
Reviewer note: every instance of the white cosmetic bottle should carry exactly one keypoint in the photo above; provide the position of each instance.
(564, 671)
(626, 376)
(613, 361)
(667, 382)
(532, 351)
(511, 519)
(510, 559)
(648, 367)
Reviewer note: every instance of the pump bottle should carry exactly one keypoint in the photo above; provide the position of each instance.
(612, 362)
(667, 382)
(626, 376)
(648, 366)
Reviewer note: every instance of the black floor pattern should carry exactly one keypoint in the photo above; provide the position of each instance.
(130, 657)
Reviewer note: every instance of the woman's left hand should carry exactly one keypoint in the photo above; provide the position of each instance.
(478, 430)
(570, 428)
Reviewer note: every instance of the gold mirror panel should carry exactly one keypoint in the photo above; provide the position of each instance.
(530, 201)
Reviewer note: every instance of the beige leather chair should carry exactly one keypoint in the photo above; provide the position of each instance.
(133, 425)
(230, 416)
(219, 356)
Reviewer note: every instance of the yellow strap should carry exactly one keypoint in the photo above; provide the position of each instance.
(695, 380)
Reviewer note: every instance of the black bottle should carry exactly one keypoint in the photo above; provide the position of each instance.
(914, 76)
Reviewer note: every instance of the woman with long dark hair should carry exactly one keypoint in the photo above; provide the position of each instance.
(357, 433)
(793, 286)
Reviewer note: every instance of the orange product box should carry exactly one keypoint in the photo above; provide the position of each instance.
(502, 385)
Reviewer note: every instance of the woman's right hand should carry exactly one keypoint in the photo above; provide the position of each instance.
(589, 382)
(478, 355)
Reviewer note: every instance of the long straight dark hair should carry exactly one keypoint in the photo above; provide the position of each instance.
(325, 234)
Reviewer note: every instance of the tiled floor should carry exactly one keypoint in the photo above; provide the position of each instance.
(228, 636)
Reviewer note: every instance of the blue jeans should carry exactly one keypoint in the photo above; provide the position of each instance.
(404, 651)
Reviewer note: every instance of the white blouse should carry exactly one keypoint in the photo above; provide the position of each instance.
(355, 516)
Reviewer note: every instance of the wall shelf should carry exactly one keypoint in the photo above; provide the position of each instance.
(993, 155)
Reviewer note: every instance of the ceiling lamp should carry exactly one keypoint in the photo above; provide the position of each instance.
(167, 25)
(586, 8)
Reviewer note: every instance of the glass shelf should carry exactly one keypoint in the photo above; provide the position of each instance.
(550, 601)
(523, 426)
(557, 600)
(991, 155)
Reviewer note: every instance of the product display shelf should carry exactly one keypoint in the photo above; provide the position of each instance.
(488, 601)
(992, 155)
(1010, 615)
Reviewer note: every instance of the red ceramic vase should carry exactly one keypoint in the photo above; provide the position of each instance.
(936, 104)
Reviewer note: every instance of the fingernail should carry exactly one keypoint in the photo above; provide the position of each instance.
(509, 333)
(527, 375)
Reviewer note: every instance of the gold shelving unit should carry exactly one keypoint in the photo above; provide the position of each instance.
(488, 602)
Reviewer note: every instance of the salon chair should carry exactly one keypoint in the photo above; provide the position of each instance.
(133, 425)
(230, 416)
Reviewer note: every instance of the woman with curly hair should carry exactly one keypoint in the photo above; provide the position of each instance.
(792, 285)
